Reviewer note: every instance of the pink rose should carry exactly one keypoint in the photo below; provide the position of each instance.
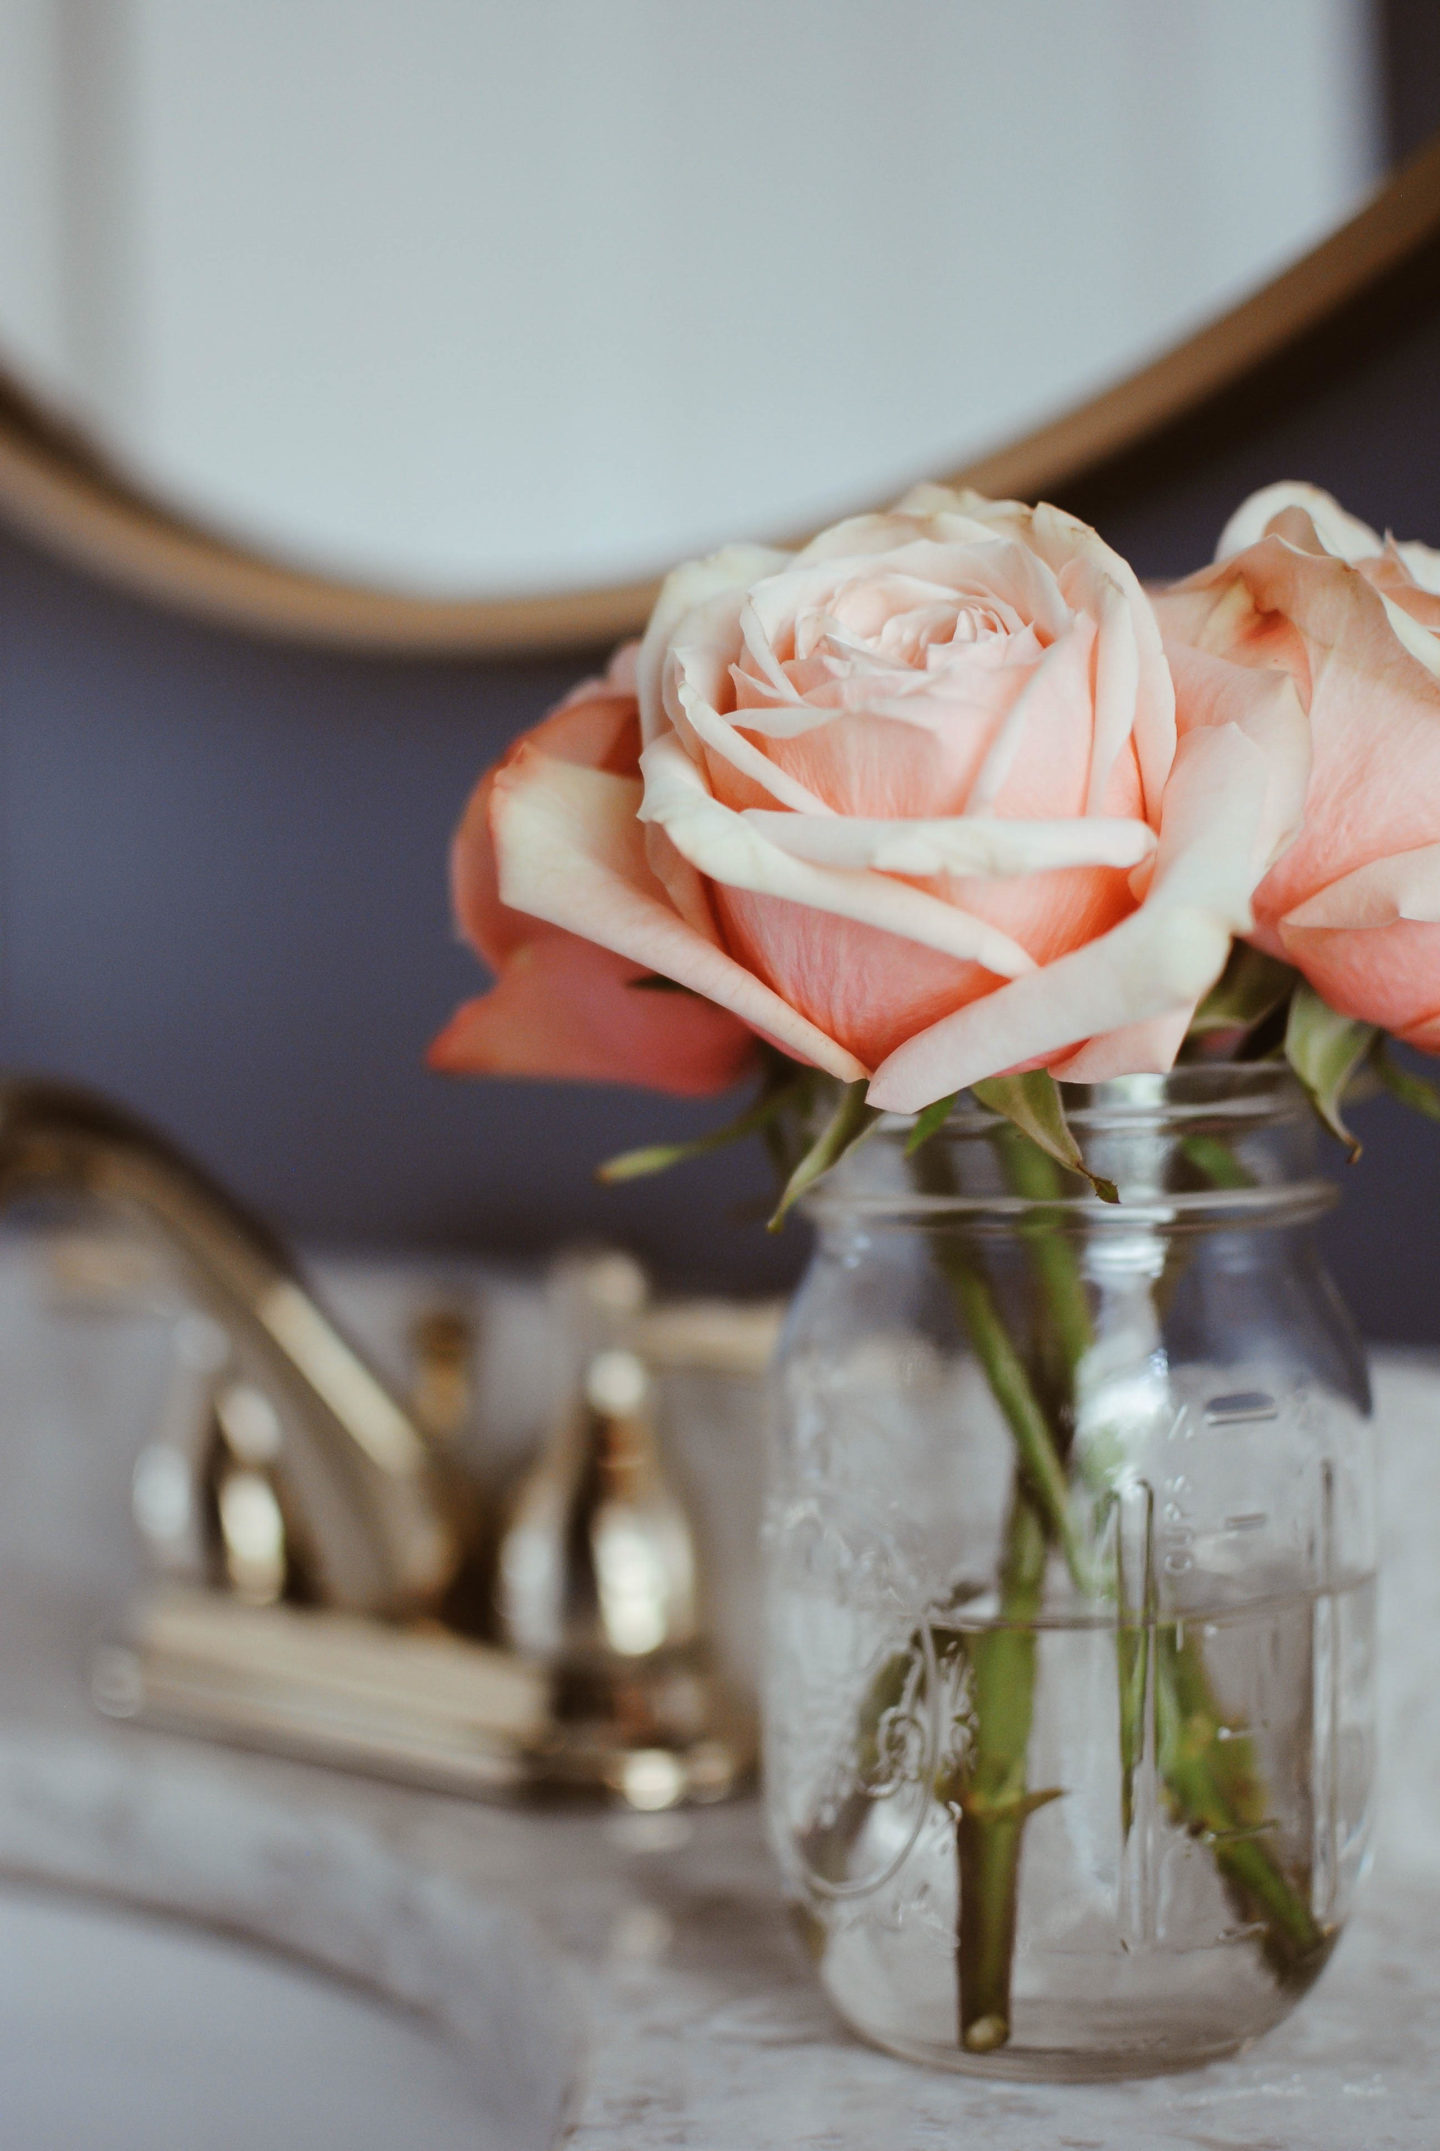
(1302, 587)
(562, 1006)
(916, 803)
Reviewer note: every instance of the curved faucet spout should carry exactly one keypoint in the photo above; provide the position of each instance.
(363, 1478)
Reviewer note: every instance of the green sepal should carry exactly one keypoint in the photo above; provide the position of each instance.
(1250, 988)
(659, 1157)
(1032, 1104)
(1411, 1089)
(1325, 1049)
(930, 1122)
(851, 1121)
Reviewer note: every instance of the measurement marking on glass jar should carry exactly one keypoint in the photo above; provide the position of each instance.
(1325, 1660)
(1242, 1408)
(1253, 1520)
(1240, 1833)
(1137, 1907)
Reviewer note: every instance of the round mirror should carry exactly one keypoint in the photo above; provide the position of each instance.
(453, 302)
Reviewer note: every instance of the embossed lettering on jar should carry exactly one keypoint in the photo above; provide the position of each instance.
(1070, 1552)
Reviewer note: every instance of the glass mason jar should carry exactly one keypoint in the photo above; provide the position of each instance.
(1070, 1576)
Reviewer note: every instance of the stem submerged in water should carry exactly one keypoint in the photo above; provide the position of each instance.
(989, 1790)
(1208, 1773)
(990, 1794)
(1212, 1782)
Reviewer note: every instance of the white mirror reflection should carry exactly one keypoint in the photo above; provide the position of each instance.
(462, 298)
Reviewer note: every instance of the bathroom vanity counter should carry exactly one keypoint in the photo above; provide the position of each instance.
(640, 1967)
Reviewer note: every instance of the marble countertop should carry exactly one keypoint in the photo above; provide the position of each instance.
(646, 1963)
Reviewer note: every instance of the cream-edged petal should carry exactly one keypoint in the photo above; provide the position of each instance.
(682, 885)
(1421, 561)
(728, 848)
(1340, 533)
(961, 844)
(861, 537)
(1155, 964)
(1263, 705)
(1074, 551)
(988, 569)
(1139, 1049)
(735, 567)
(1212, 848)
(1160, 960)
(721, 734)
(572, 852)
(1117, 688)
(1404, 886)
(1421, 642)
(930, 498)
(1000, 755)
(765, 665)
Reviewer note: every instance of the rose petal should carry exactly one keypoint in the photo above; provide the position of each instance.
(1343, 535)
(1137, 1049)
(728, 848)
(959, 844)
(1062, 676)
(1117, 688)
(1374, 711)
(572, 852)
(1422, 562)
(731, 569)
(1157, 963)
(595, 727)
(1388, 975)
(1404, 886)
(567, 1010)
(1265, 705)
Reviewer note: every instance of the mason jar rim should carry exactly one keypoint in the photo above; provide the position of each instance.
(1226, 1098)
(1255, 1092)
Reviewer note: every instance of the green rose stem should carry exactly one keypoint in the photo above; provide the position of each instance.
(1209, 1772)
(989, 1791)
(1209, 1775)
(1215, 1791)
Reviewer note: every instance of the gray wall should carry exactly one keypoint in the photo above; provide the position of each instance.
(222, 897)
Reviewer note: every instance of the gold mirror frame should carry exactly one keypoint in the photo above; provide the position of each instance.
(58, 493)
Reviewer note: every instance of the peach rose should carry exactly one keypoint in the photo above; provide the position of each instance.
(562, 1006)
(1302, 587)
(916, 804)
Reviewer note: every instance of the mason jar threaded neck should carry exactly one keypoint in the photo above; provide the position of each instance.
(1211, 1144)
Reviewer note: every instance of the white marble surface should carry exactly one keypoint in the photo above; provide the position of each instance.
(703, 2029)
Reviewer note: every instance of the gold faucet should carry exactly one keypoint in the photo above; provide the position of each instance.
(363, 1478)
(305, 1457)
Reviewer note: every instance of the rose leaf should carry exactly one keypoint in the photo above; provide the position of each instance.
(848, 1125)
(659, 1157)
(1032, 1103)
(930, 1122)
(1325, 1049)
(1250, 988)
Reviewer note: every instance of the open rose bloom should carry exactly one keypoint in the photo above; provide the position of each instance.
(1303, 590)
(921, 804)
